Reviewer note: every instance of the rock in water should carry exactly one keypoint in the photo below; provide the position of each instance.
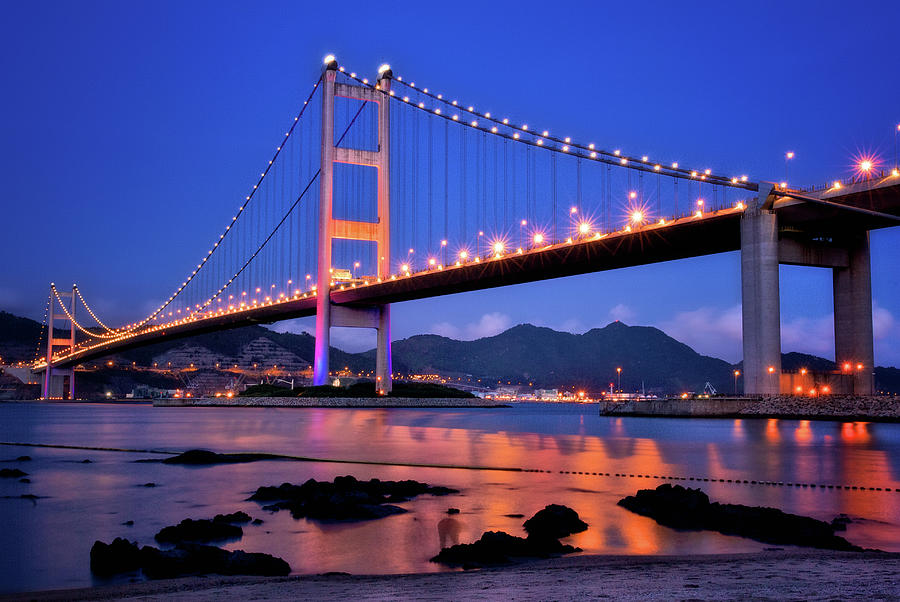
(201, 530)
(185, 559)
(496, 547)
(203, 457)
(12, 473)
(236, 518)
(120, 556)
(345, 499)
(554, 521)
(690, 509)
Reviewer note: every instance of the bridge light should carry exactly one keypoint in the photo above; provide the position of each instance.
(432, 261)
(443, 243)
(771, 369)
(743, 178)
(524, 222)
(632, 195)
(584, 228)
(329, 59)
(384, 67)
(895, 172)
(645, 158)
(498, 247)
(538, 238)
(463, 254)
(617, 152)
(675, 165)
(637, 216)
(789, 155)
(866, 165)
(623, 161)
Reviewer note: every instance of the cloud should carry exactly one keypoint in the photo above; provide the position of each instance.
(489, 325)
(708, 330)
(622, 313)
(809, 335)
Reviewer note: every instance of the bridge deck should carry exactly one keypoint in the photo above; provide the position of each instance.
(713, 232)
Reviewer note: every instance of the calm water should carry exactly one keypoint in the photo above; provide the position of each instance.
(46, 542)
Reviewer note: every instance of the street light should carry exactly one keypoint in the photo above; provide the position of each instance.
(787, 157)
(619, 378)
(736, 374)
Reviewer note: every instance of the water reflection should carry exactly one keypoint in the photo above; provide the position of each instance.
(87, 502)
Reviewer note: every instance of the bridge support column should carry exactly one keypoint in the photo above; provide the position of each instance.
(378, 317)
(853, 336)
(383, 364)
(54, 383)
(761, 308)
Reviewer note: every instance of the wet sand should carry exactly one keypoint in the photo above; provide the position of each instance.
(775, 575)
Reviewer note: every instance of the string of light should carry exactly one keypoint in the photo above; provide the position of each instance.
(240, 211)
(533, 137)
(91, 312)
(77, 324)
(37, 349)
(284, 218)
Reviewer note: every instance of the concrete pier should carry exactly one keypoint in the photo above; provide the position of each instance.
(853, 335)
(761, 308)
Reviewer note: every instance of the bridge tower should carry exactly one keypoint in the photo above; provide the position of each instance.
(55, 380)
(327, 313)
(765, 246)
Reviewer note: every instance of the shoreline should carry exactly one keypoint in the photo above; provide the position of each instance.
(772, 574)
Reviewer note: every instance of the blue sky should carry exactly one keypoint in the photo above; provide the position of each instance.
(130, 131)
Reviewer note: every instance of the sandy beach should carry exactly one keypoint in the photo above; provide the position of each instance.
(772, 575)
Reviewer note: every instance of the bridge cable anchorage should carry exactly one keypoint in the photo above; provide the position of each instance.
(246, 202)
(525, 135)
(283, 219)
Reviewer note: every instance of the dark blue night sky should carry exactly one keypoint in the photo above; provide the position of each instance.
(132, 130)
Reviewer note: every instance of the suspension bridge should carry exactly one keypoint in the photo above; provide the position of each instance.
(383, 191)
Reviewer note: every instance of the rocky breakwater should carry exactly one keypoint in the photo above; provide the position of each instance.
(880, 407)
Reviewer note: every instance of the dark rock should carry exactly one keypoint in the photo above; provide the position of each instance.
(129, 523)
(840, 522)
(554, 521)
(194, 559)
(120, 556)
(23, 459)
(344, 499)
(24, 480)
(202, 457)
(690, 509)
(496, 547)
(149, 485)
(202, 530)
(185, 559)
(12, 473)
(514, 515)
(86, 461)
(237, 518)
(452, 510)
(257, 521)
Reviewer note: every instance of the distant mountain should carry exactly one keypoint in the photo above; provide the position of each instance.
(524, 354)
(547, 358)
